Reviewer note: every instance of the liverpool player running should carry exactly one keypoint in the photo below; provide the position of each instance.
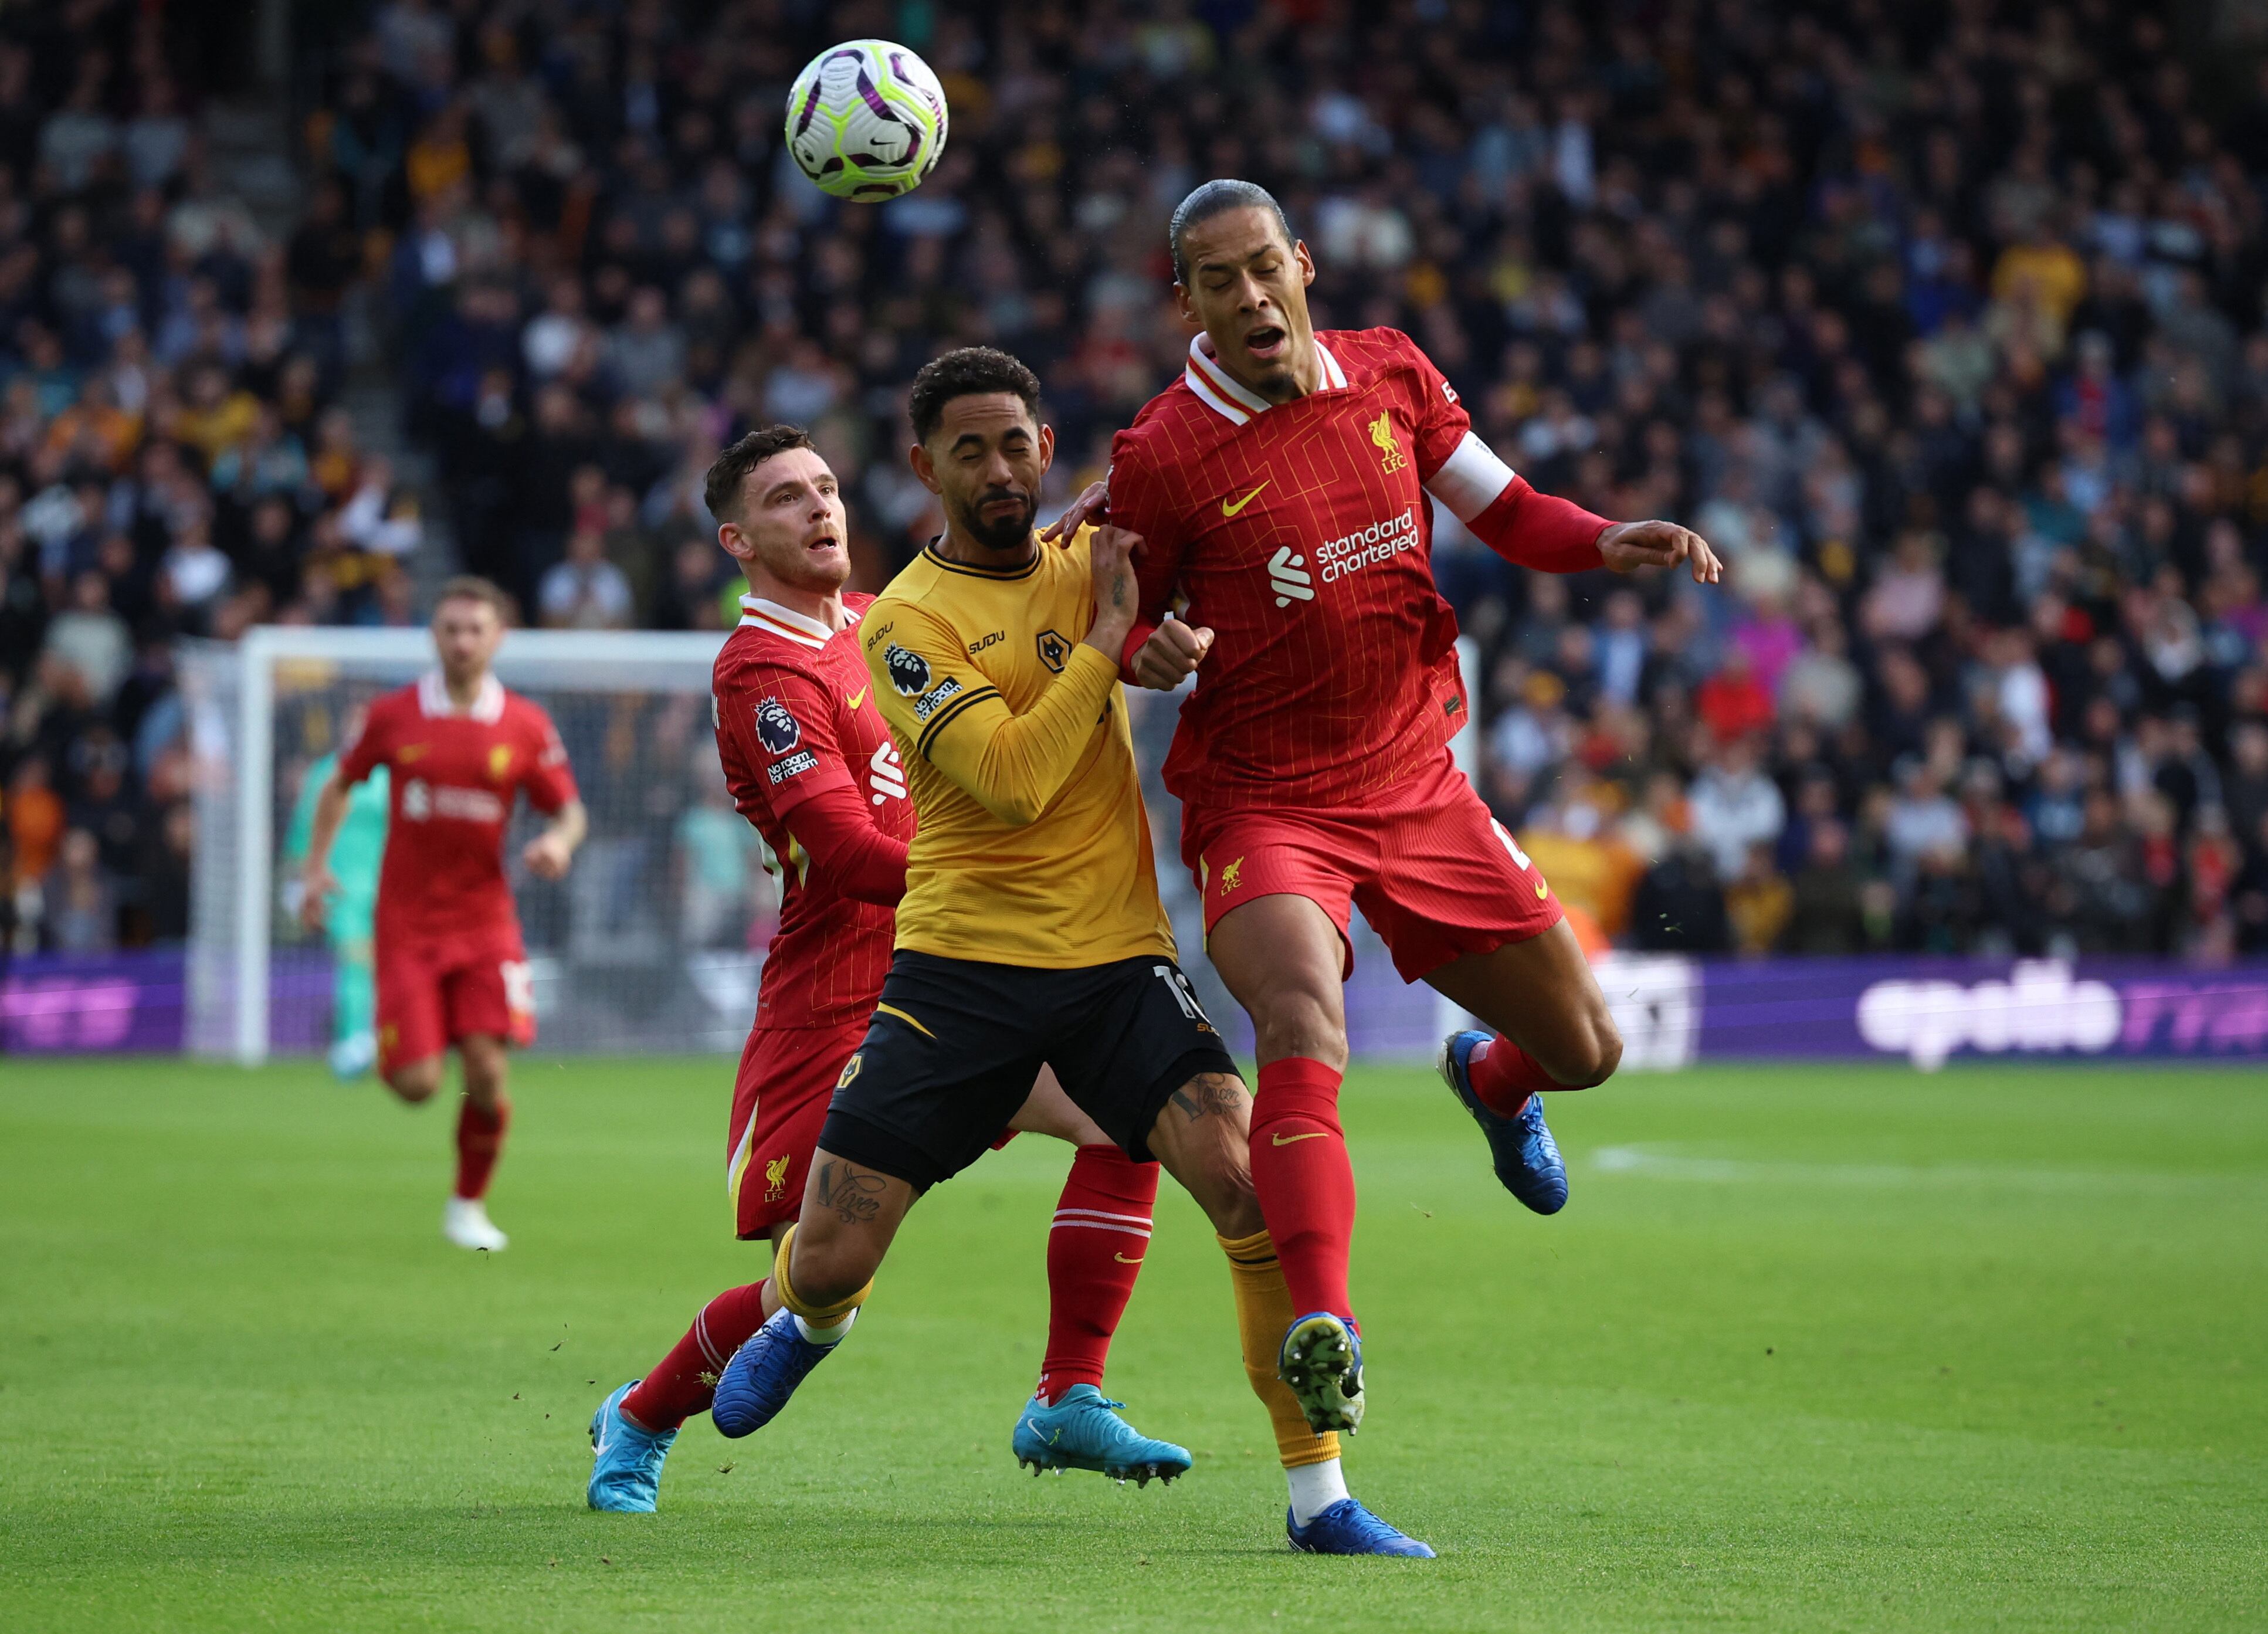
(1031, 930)
(458, 749)
(811, 764)
(1282, 486)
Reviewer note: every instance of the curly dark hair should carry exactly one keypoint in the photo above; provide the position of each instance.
(1214, 198)
(968, 371)
(721, 489)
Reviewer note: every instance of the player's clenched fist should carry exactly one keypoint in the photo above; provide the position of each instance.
(317, 887)
(1172, 655)
(1630, 546)
(547, 856)
(1116, 596)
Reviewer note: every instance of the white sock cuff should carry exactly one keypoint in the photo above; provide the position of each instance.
(828, 1335)
(1315, 1488)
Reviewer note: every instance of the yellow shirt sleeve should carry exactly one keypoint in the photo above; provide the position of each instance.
(1011, 764)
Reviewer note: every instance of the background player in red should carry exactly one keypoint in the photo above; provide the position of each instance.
(811, 763)
(459, 750)
(1282, 486)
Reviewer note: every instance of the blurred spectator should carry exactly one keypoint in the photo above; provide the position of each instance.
(1680, 905)
(1735, 806)
(1758, 903)
(585, 591)
(76, 904)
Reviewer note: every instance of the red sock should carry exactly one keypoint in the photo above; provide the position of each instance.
(480, 1137)
(1095, 1252)
(1504, 1075)
(1304, 1183)
(685, 1381)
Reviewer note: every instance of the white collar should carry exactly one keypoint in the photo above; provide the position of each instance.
(1234, 402)
(785, 621)
(433, 699)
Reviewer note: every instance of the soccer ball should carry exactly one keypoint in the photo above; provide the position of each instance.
(866, 121)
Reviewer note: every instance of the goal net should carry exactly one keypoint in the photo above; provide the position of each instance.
(652, 943)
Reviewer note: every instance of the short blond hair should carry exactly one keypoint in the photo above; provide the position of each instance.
(472, 587)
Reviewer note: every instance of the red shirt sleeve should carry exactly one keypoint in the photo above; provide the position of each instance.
(833, 826)
(550, 780)
(1146, 501)
(369, 750)
(780, 724)
(1442, 421)
(1542, 531)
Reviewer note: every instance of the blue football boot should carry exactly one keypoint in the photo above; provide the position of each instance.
(1527, 1159)
(1081, 1431)
(1347, 1528)
(1322, 1361)
(625, 1460)
(763, 1375)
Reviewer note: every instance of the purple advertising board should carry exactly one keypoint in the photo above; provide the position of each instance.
(1930, 1011)
(1672, 1010)
(86, 1004)
(73, 1003)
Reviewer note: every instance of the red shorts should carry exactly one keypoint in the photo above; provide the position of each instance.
(434, 991)
(1435, 875)
(787, 1077)
(779, 1100)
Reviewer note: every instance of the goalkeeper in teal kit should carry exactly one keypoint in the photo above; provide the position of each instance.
(355, 858)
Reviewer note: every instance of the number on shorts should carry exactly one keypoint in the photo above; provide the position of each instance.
(518, 986)
(1512, 845)
(1184, 995)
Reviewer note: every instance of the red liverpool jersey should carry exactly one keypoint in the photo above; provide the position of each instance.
(455, 776)
(1302, 534)
(794, 719)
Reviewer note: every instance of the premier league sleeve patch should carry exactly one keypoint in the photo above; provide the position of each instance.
(777, 727)
(909, 671)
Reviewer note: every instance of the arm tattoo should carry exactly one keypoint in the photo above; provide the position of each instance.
(856, 1197)
(1220, 1094)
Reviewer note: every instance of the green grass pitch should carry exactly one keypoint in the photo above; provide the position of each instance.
(1811, 1349)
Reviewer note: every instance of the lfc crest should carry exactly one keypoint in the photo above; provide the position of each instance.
(1389, 447)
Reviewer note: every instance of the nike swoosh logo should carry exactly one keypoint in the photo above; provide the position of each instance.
(1542, 889)
(1285, 1140)
(1123, 1260)
(1227, 509)
(858, 698)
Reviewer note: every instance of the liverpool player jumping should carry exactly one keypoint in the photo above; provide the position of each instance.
(458, 749)
(1281, 485)
(811, 763)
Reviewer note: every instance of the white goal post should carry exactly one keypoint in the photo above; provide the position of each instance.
(634, 709)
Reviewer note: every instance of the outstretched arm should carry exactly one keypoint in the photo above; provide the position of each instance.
(319, 885)
(1551, 534)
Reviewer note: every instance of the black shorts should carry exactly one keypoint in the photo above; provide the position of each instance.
(955, 1043)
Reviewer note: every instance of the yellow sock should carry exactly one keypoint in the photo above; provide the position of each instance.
(826, 1316)
(1263, 1311)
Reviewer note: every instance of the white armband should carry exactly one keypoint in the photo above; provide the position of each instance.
(1471, 480)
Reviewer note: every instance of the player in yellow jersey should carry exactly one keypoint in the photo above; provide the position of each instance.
(1030, 933)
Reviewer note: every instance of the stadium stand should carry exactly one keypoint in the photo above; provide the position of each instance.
(1949, 334)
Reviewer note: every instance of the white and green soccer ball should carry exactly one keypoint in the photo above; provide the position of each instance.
(866, 121)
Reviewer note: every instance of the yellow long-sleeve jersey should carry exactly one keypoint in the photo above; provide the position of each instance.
(1033, 847)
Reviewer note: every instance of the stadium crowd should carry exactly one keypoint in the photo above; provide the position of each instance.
(1944, 323)
(173, 460)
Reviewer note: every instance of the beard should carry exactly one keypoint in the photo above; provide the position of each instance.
(1003, 531)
